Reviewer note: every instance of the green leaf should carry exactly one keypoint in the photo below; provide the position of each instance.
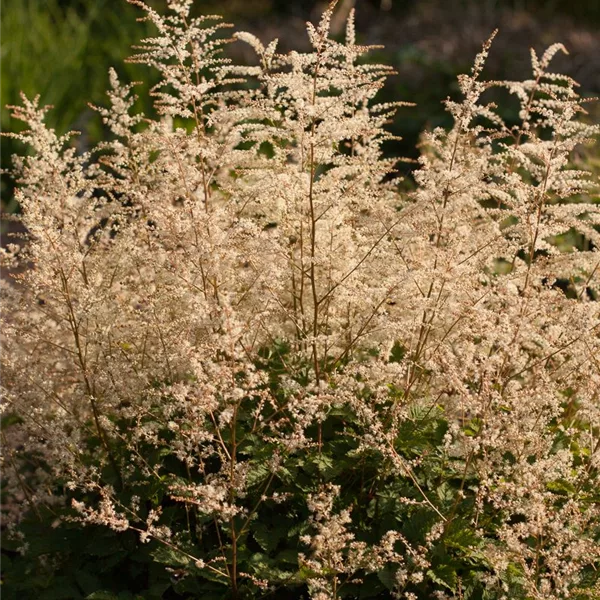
(387, 576)
(444, 575)
(445, 493)
(398, 352)
(324, 463)
(102, 595)
(170, 556)
(9, 419)
(87, 581)
(257, 474)
(268, 538)
(560, 486)
(473, 427)
(463, 538)
(288, 556)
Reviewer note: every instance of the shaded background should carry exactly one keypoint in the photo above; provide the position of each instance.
(62, 49)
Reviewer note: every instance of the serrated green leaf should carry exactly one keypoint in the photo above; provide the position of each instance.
(444, 575)
(171, 557)
(560, 486)
(268, 538)
(257, 474)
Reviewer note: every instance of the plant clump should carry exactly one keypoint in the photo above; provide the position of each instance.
(242, 362)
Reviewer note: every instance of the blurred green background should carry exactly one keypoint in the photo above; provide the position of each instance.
(62, 49)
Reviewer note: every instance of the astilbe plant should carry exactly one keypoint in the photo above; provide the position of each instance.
(237, 345)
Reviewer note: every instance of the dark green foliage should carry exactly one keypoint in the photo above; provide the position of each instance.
(65, 560)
